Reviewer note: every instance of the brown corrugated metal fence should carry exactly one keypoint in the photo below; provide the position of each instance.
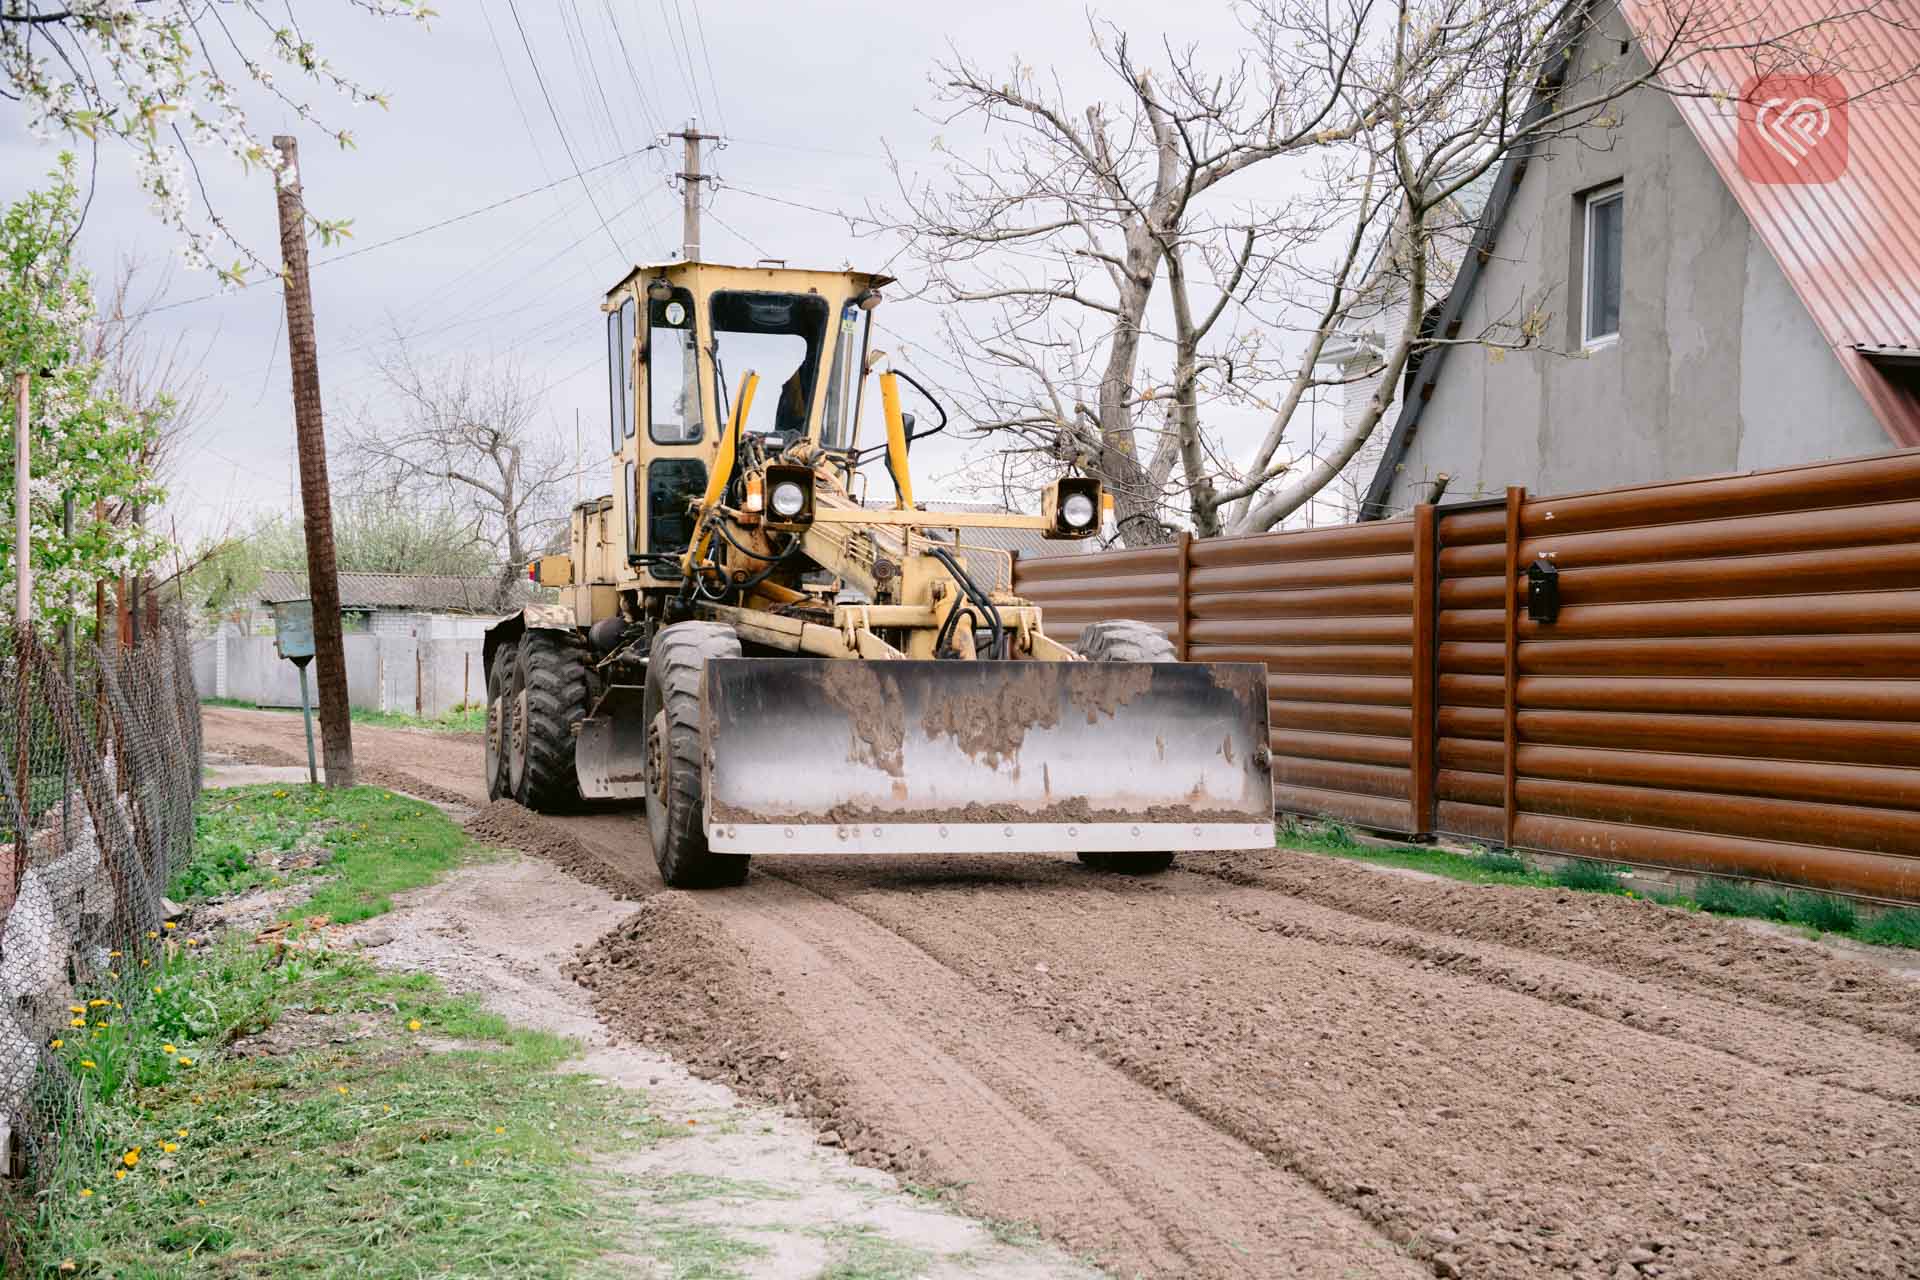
(1732, 683)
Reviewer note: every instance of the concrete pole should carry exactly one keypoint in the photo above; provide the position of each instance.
(323, 581)
(690, 180)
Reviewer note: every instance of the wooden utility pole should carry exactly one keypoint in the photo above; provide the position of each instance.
(316, 503)
(690, 180)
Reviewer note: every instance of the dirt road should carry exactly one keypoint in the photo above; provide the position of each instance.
(1276, 1065)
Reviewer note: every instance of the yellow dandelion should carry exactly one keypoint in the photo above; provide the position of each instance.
(115, 955)
(169, 925)
(116, 978)
(156, 991)
(76, 1008)
(499, 1128)
(132, 1158)
(87, 1063)
(413, 1024)
(98, 1004)
(342, 1088)
(185, 1062)
(151, 933)
(201, 1203)
(168, 1049)
(193, 942)
(181, 1132)
(57, 1043)
(102, 1024)
(169, 1147)
(86, 1192)
(143, 964)
(119, 1174)
(199, 1097)
(77, 1022)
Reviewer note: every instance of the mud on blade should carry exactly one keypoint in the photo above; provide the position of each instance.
(820, 756)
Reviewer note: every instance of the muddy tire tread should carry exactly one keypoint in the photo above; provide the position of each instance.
(554, 666)
(675, 664)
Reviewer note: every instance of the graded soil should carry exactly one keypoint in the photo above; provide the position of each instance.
(1280, 1064)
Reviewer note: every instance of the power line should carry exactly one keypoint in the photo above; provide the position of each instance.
(706, 55)
(416, 232)
(565, 142)
(684, 62)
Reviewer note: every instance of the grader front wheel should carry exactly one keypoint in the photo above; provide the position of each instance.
(674, 799)
(1124, 641)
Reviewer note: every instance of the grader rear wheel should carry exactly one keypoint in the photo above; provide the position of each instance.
(674, 799)
(499, 680)
(1124, 641)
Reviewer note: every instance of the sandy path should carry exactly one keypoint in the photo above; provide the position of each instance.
(1280, 1065)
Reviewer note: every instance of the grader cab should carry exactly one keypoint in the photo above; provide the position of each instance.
(772, 661)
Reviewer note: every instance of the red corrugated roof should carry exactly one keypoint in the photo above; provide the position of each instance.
(1849, 247)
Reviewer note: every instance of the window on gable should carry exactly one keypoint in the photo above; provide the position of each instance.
(1604, 211)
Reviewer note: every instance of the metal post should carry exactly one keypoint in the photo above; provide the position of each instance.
(66, 674)
(323, 583)
(306, 714)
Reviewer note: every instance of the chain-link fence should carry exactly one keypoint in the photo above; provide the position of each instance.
(99, 770)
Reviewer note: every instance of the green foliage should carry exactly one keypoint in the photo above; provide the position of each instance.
(1814, 910)
(1478, 867)
(1589, 877)
(359, 1148)
(371, 535)
(86, 442)
(470, 718)
(1898, 928)
(371, 844)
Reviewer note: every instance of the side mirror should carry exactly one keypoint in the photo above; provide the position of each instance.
(906, 421)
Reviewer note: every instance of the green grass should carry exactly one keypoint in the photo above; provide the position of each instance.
(376, 844)
(1480, 867)
(1589, 877)
(1817, 913)
(357, 1152)
(697, 1251)
(470, 718)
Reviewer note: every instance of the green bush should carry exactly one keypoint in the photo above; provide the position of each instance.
(1899, 928)
(1589, 877)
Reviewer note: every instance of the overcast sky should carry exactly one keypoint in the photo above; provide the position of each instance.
(805, 93)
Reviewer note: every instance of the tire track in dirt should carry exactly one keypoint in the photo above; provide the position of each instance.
(1723, 959)
(963, 1085)
(1504, 1136)
(1506, 1082)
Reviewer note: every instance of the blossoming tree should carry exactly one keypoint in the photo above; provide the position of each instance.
(86, 443)
(165, 77)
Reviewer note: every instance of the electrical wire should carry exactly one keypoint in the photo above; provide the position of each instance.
(565, 142)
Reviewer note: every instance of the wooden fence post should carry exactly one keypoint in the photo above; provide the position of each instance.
(1426, 571)
(1183, 548)
(1516, 496)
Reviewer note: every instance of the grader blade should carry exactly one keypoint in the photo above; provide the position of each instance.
(610, 754)
(822, 756)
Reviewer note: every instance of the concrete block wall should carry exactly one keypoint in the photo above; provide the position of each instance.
(427, 676)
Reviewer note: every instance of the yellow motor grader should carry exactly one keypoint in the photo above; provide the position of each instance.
(775, 662)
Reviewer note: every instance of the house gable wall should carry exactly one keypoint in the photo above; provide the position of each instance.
(1718, 366)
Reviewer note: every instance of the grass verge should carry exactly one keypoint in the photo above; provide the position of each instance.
(470, 718)
(369, 843)
(1818, 913)
(350, 1143)
(1475, 868)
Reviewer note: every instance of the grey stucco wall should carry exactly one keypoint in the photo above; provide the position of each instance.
(384, 673)
(1718, 366)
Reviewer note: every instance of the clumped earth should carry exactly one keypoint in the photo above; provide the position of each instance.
(1274, 1064)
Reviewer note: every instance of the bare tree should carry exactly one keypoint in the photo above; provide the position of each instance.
(465, 434)
(1056, 240)
(1052, 247)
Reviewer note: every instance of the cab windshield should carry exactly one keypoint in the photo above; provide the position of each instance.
(779, 337)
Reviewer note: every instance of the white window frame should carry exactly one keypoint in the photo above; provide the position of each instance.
(1614, 193)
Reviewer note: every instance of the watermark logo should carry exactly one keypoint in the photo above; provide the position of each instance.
(1793, 130)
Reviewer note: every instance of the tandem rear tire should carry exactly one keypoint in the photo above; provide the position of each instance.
(499, 721)
(1121, 640)
(675, 805)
